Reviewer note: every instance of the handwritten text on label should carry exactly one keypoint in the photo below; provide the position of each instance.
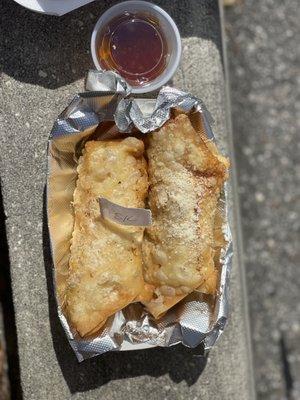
(124, 215)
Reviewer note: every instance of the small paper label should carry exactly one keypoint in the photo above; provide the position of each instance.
(124, 215)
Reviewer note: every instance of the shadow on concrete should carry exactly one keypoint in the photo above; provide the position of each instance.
(9, 323)
(181, 363)
(54, 51)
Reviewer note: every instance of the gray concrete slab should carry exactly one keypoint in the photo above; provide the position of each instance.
(263, 38)
(4, 381)
(43, 65)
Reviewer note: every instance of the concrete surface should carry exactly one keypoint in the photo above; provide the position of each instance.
(263, 39)
(6, 342)
(4, 381)
(43, 63)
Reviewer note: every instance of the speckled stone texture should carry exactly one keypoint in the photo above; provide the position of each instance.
(263, 39)
(44, 61)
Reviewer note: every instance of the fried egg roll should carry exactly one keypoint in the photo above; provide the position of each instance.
(105, 267)
(186, 175)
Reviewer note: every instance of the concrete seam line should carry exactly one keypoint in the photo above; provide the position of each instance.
(236, 212)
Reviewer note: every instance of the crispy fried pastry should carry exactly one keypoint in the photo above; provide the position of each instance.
(186, 174)
(105, 268)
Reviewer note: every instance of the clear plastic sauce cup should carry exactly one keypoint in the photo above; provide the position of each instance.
(140, 41)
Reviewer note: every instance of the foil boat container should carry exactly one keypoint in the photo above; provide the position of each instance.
(102, 112)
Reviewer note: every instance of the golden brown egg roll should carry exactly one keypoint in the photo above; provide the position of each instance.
(186, 175)
(105, 268)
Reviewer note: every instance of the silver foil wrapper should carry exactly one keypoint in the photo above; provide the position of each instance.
(103, 111)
